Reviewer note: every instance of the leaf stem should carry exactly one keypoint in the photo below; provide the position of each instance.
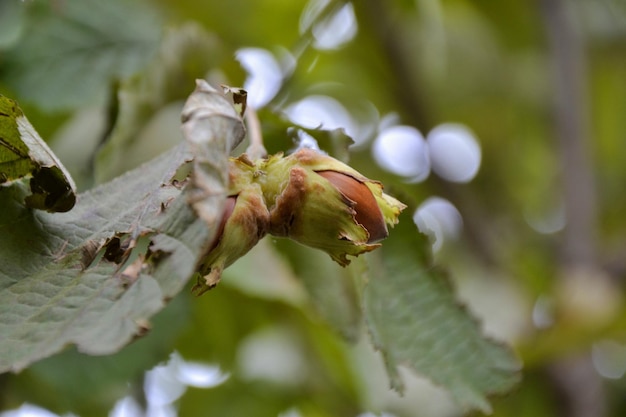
(255, 150)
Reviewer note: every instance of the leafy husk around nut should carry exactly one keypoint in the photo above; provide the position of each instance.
(328, 205)
(309, 197)
(245, 221)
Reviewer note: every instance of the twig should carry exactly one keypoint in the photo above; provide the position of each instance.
(572, 124)
(255, 150)
(406, 89)
(575, 377)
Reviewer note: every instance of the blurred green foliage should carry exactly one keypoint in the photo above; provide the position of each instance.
(488, 65)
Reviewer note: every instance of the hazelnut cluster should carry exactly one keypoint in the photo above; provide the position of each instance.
(307, 196)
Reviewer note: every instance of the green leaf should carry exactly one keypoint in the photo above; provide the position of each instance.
(213, 128)
(416, 322)
(91, 385)
(330, 287)
(70, 54)
(11, 22)
(23, 153)
(95, 275)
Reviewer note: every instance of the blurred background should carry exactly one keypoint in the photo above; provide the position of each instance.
(501, 124)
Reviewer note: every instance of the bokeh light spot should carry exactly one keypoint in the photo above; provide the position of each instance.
(126, 407)
(336, 30)
(265, 76)
(609, 358)
(333, 31)
(402, 150)
(543, 312)
(551, 220)
(318, 111)
(199, 375)
(29, 410)
(167, 382)
(454, 152)
(272, 355)
(440, 219)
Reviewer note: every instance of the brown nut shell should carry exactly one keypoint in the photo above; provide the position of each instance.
(368, 212)
(229, 206)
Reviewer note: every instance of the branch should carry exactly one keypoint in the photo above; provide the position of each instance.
(572, 131)
(392, 43)
(575, 378)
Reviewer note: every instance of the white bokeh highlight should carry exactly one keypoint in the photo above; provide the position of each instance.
(126, 407)
(272, 355)
(333, 31)
(439, 219)
(609, 358)
(265, 75)
(319, 111)
(402, 150)
(551, 220)
(29, 410)
(200, 375)
(306, 141)
(166, 383)
(337, 30)
(455, 154)
(543, 312)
